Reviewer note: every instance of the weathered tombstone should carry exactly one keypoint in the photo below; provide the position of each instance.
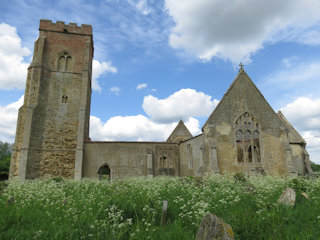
(288, 197)
(213, 227)
(164, 213)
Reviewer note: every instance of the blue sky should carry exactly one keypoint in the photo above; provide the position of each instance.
(156, 62)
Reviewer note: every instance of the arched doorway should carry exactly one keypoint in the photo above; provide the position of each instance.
(104, 172)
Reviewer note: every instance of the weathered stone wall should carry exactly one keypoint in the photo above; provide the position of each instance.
(192, 161)
(298, 158)
(54, 120)
(219, 130)
(127, 159)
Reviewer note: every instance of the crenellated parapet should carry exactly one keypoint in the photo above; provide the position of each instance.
(60, 26)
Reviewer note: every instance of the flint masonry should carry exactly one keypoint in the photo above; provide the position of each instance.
(243, 134)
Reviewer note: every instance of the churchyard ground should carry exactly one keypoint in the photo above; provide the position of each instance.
(131, 208)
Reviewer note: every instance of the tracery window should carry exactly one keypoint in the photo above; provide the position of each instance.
(247, 139)
(65, 62)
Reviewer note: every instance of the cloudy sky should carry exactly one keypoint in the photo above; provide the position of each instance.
(157, 62)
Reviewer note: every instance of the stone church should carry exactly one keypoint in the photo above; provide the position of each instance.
(243, 133)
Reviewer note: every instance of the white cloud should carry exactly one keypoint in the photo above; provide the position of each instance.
(8, 116)
(297, 73)
(135, 128)
(141, 5)
(141, 86)
(182, 104)
(289, 61)
(295, 78)
(98, 70)
(13, 68)
(115, 90)
(234, 31)
(304, 115)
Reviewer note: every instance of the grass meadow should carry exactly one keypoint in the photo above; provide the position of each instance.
(131, 208)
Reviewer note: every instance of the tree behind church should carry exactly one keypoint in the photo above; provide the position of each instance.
(5, 155)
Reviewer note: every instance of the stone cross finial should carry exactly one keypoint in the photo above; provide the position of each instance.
(241, 66)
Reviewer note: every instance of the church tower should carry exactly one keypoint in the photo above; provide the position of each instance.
(53, 122)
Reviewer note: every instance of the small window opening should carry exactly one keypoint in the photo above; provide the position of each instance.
(64, 99)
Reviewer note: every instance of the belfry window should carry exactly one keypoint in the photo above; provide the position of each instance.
(64, 99)
(247, 139)
(65, 62)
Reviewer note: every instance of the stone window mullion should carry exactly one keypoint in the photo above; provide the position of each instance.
(247, 139)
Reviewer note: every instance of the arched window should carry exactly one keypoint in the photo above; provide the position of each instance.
(104, 172)
(247, 139)
(65, 62)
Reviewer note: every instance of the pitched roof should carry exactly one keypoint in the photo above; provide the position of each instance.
(241, 76)
(179, 134)
(294, 136)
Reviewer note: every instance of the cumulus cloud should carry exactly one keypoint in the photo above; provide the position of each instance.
(182, 104)
(304, 114)
(115, 90)
(98, 70)
(135, 128)
(235, 31)
(8, 116)
(13, 68)
(141, 86)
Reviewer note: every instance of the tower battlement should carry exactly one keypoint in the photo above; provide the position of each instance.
(60, 26)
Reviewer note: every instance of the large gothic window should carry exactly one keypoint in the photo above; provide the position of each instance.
(247, 139)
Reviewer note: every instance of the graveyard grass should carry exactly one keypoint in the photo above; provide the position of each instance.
(131, 208)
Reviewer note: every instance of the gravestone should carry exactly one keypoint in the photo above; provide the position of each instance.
(164, 213)
(213, 227)
(288, 197)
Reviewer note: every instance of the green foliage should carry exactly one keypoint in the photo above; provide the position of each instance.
(315, 167)
(298, 184)
(240, 177)
(131, 208)
(5, 155)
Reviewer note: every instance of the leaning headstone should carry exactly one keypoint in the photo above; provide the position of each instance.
(164, 213)
(288, 197)
(213, 227)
